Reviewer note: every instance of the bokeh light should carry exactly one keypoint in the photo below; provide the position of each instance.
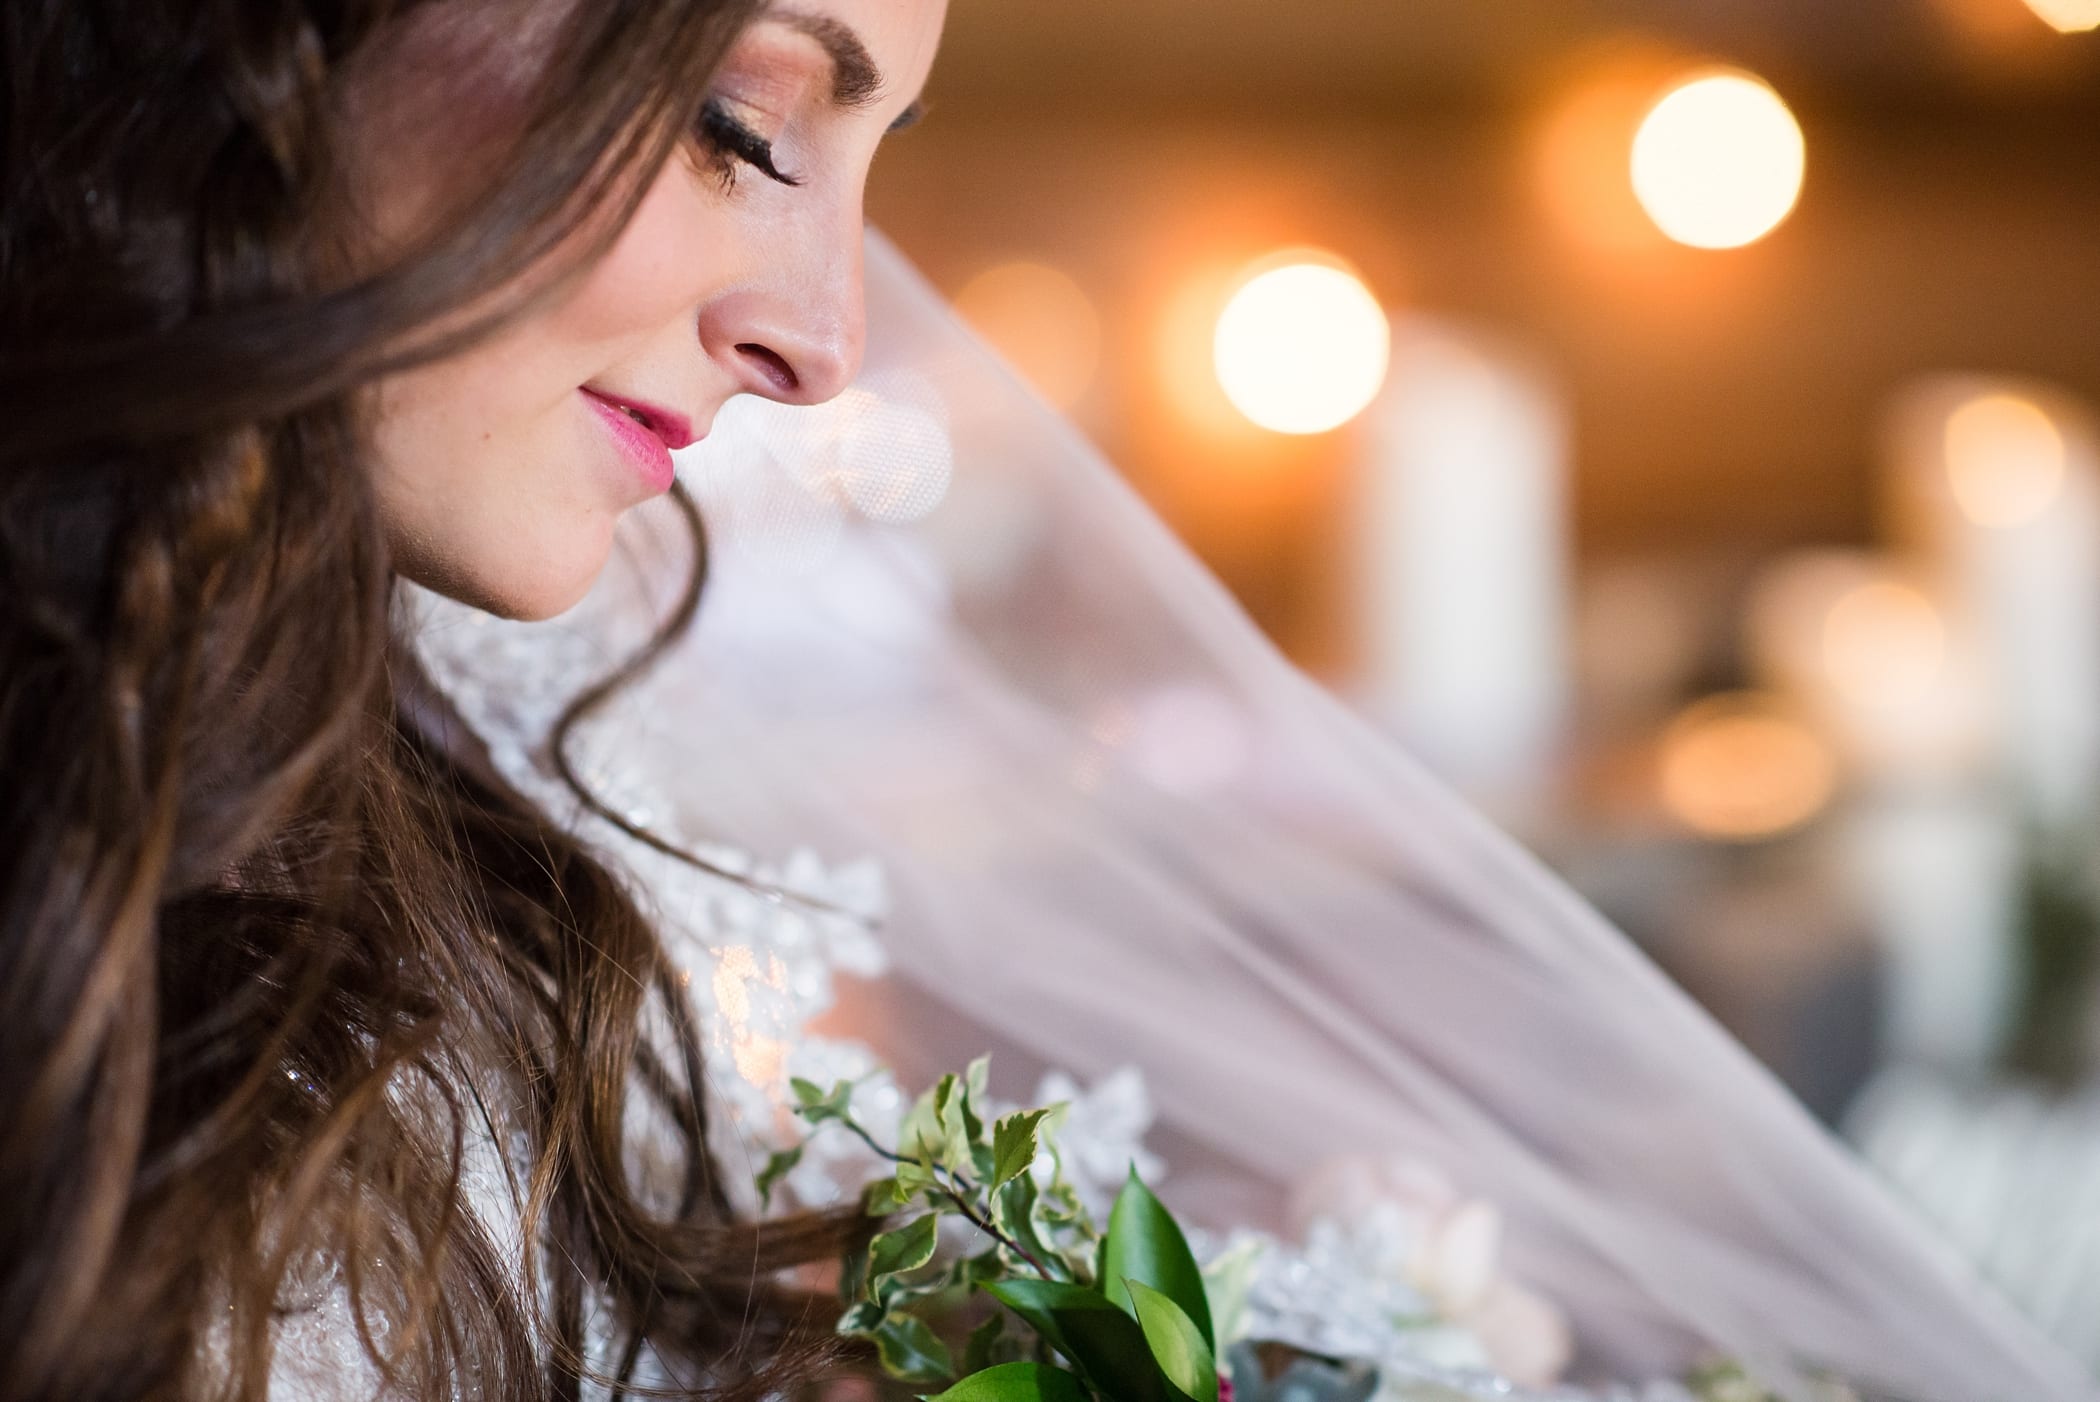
(1739, 766)
(1718, 162)
(2005, 460)
(2068, 16)
(1301, 347)
(1884, 644)
(1042, 321)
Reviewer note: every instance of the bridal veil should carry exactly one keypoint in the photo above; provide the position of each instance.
(1120, 829)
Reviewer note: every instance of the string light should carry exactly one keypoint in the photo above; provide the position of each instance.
(1718, 162)
(1302, 347)
(2005, 460)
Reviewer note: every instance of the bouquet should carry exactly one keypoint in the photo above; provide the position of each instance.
(991, 1282)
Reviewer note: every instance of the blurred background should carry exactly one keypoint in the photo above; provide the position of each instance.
(1679, 420)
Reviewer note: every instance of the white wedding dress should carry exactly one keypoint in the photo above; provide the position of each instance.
(1025, 780)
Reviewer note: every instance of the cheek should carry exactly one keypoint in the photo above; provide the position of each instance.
(659, 271)
(492, 475)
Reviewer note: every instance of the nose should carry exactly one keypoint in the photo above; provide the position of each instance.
(798, 335)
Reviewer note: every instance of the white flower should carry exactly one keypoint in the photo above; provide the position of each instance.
(1527, 1339)
(1410, 1220)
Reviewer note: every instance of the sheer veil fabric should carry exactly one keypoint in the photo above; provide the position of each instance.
(1120, 829)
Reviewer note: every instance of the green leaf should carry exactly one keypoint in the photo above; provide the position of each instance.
(1106, 1344)
(905, 1249)
(1014, 1210)
(863, 1319)
(975, 1081)
(1016, 1382)
(933, 1131)
(815, 1105)
(911, 1351)
(1110, 1350)
(944, 1091)
(1145, 1244)
(777, 1168)
(975, 1078)
(918, 1180)
(960, 1127)
(1034, 1300)
(882, 1196)
(979, 1352)
(1177, 1344)
(1014, 1145)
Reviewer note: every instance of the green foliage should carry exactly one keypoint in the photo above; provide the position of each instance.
(777, 1167)
(1014, 1145)
(1179, 1347)
(1016, 1382)
(906, 1249)
(1145, 1244)
(1143, 1335)
(911, 1351)
(1105, 1344)
(816, 1105)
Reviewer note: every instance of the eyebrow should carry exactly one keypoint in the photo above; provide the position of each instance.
(855, 80)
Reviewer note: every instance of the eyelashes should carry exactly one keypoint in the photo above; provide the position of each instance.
(734, 143)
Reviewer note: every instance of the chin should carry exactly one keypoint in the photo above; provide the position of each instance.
(526, 586)
(534, 602)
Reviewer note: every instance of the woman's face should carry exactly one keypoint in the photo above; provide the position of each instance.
(502, 471)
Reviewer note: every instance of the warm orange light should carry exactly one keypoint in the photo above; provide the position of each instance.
(1718, 162)
(759, 1059)
(1302, 346)
(2068, 16)
(1738, 767)
(1042, 321)
(1884, 644)
(2005, 460)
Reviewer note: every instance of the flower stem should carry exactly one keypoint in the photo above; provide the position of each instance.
(956, 1188)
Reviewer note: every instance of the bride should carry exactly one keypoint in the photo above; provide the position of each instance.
(400, 992)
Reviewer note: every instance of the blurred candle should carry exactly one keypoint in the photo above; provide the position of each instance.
(1867, 647)
(1938, 876)
(1996, 487)
(1459, 551)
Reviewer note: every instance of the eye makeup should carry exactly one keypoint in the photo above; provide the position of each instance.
(735, 141)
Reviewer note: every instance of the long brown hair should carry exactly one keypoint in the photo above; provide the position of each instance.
(269, 956)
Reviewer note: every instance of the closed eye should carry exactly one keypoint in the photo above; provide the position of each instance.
(735, 141)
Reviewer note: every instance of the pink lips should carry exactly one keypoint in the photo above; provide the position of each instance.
(646, 433)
